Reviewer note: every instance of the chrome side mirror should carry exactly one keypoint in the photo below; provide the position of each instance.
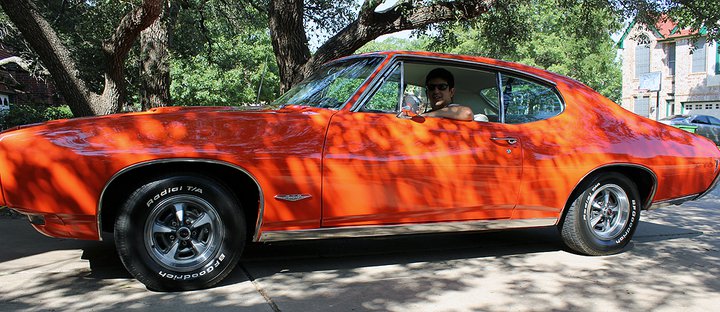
(410, 106)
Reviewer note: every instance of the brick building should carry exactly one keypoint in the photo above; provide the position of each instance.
(689, 78)
(17, 86)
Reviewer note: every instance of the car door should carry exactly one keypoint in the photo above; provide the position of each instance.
(379, 168)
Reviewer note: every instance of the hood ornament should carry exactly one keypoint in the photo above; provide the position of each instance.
(292, 197)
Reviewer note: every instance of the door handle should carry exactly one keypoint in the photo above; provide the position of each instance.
(510, 141)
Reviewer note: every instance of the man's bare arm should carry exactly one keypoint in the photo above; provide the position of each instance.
(457, 112)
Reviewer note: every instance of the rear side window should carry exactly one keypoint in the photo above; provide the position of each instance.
(701, 120)
(526, 101)
(714, 120)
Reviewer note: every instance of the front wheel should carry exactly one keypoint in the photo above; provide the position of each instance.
(180, 233)
(603, 218)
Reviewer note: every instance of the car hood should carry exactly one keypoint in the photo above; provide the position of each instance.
(172, 112)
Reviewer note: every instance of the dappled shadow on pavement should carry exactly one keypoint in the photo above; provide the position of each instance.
(672, 264)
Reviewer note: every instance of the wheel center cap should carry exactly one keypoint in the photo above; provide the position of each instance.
(183, 233)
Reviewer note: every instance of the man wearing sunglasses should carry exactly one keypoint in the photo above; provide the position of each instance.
(440, 87)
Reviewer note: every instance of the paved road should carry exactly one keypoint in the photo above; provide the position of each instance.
(673, 264)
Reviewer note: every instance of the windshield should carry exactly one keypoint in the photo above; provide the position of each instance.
(675, 118)
(332, 85)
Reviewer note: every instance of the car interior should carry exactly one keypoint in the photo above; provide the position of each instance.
(523, 100)
(473, 88)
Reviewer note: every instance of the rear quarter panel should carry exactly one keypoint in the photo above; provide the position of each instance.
(593, 132)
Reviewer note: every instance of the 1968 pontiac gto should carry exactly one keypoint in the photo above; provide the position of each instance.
(353, 152)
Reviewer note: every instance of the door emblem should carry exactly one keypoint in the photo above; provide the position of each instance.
(292, 197)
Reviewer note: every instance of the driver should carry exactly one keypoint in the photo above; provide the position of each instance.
(440, 87)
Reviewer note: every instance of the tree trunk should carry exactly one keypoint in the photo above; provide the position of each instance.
(155, 42)
(53, 54)
(57, 59)
(289, 40)
(116, 49)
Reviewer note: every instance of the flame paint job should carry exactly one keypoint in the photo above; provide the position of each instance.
(360, 168)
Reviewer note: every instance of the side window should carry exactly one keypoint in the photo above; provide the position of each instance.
(387, 98)
(526, 101)
(714, 120)
(701, 120)
(642, 60)
(491, 96)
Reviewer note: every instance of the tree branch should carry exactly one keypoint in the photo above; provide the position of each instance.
(370, 25)
(131, 25)
(116, 49)
(17, 60)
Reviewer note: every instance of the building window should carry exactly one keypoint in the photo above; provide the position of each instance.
(4, 103)
(698, 57)
(642, 106)
(687, 107)
(671, 58)
(708, 106)
(698, 106)
(642, 60)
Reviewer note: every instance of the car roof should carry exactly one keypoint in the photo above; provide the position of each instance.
(490, 62)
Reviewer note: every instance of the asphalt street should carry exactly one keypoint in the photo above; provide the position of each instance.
(673, 264)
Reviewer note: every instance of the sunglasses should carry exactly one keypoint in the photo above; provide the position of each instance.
(439, 86)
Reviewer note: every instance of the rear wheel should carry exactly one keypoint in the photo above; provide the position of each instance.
(603, 218)
(180, 233)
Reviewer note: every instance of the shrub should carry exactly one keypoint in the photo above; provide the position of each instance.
(19, 115)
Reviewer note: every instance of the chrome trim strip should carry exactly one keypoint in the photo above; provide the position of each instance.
(261, 210)
(501, 98)
(292, 197)
(672, 201)
(648, 200)
(374, 85)
(420, 228)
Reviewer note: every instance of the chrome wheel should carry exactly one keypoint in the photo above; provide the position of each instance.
(609, 213)
(182, 232)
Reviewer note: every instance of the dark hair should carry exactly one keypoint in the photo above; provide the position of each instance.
(443, 74)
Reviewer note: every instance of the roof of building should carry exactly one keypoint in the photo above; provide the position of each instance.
(664, 30)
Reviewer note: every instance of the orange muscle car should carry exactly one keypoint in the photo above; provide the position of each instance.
(360, 148)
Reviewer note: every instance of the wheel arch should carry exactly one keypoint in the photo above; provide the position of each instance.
(241, 182)
(645, 180)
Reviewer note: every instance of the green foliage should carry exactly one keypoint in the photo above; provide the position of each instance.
(699, 15)
(57, 112)
(19, 115)
(221, 53)
(231, 77)
(565, 37)
(392, 43)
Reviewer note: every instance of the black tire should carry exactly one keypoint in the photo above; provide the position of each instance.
(191, 249)
(603, 218)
